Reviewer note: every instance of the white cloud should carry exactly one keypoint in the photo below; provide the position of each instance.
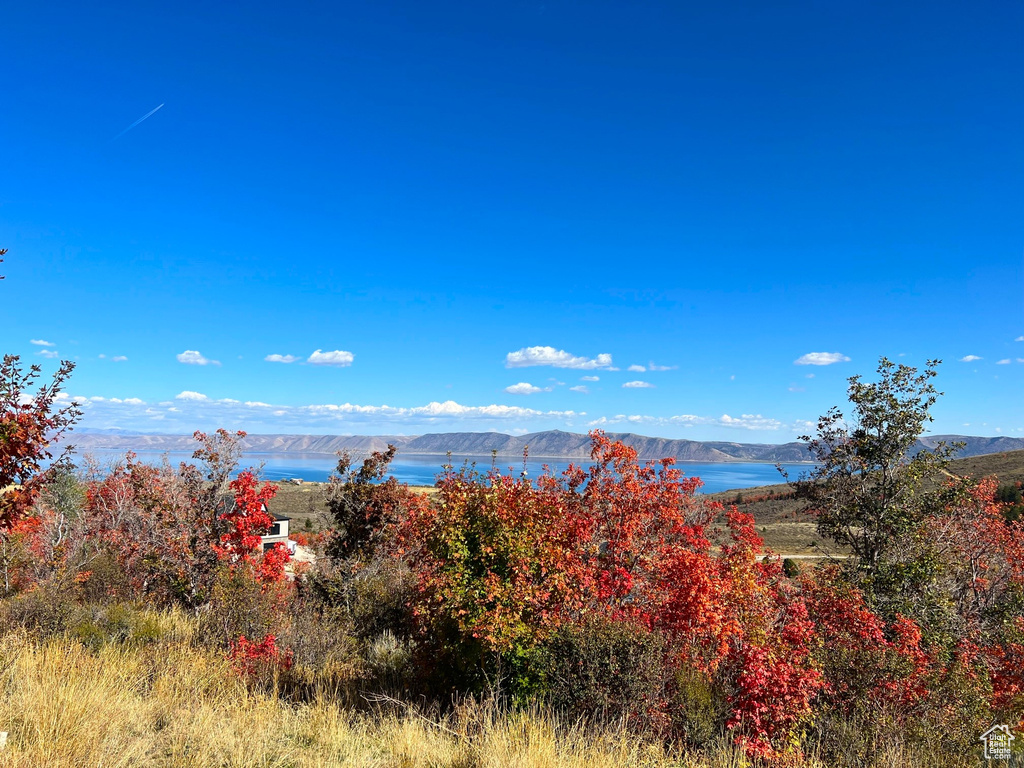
(1005, 361)
(337, 357)
(451, 408)
(193, 357)
(1020, 359)
(43, 343)
(1019, 338)
(525, 388)
(821, 358)
(191, 410)
(749, 421)
(754, 422)
(280, 358)
(118, 359)
(653, 367)
(580, 388)
(557, 358)
(637, 369)
(190, 395)
(970, 358)
(590, 378)
(795, 388)
(810, 376)
(194, 410)
(638, 385)
(49, 354)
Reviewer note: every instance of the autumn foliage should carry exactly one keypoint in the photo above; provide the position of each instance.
(32, 418)
(257, 659)
(244, 521)
(503, 562)
(616, 590)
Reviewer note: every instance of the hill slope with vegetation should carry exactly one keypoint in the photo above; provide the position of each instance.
(496, 609)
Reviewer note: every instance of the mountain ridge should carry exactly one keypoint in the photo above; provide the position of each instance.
(551, 444)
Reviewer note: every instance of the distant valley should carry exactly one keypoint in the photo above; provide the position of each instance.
(553, 444)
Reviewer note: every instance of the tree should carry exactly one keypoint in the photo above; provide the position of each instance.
(363, 504)
(171, 528)
(247, 520)
(868, 492)
(30, 422)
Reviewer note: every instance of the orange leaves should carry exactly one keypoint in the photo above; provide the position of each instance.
(1006, 662)
(258, 659)
(506, 561)
(171, 528)
(246, 520)
(30, 422)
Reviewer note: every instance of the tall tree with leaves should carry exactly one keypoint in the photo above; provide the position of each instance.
(32, 418)
(869, 489)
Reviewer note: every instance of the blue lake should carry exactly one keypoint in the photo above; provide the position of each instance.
(422, 470)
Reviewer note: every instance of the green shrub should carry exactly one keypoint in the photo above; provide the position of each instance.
(44, 611)
(699, 707)
(96, 625)
(389, 667)
(105, 580)
(240, 605)
(604, 669)
(379, 597)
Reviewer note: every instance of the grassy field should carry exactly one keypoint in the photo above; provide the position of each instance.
(167, 702)
(305, 502)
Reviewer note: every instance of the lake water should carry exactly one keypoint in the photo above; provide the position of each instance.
(422, 470)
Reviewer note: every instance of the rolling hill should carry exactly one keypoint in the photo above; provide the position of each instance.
(553, 444)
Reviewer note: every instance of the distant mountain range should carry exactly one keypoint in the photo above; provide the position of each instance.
(553, 444)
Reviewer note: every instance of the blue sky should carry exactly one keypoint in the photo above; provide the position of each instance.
(481, 216)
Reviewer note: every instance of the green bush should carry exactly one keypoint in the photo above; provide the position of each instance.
(604, 669)
(240, 605)
(699, 707)
(45, 611)
(389, 666)
(379, 598)
(105, 580)
(97, 625)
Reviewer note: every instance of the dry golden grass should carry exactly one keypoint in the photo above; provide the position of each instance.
(170, 703)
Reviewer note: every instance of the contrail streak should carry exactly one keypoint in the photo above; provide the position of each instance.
(148, 114)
